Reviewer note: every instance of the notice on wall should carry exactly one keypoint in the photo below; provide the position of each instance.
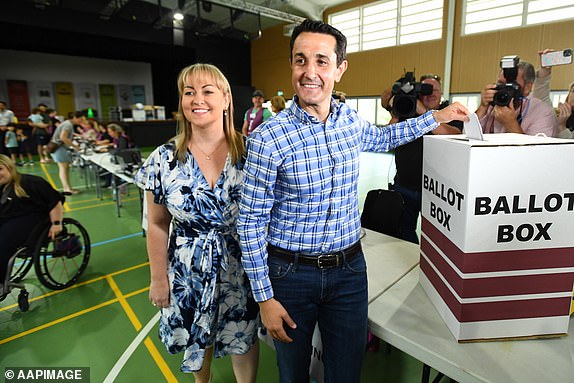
(86, 97)
(125, 98)
(42, 93)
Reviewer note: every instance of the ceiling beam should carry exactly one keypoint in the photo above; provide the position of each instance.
(253, 8)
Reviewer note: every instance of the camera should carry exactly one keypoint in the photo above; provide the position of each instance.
(405, 93)
(509, 90)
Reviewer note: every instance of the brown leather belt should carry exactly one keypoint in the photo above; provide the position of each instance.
(322, 261)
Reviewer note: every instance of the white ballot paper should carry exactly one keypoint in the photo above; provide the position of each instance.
(472, 128)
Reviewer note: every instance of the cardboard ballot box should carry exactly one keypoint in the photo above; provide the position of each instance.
(497, 246)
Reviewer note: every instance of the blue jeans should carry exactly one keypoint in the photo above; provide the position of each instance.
(336, 298)
(409, 219)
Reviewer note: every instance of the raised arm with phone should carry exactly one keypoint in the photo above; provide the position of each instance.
(541, 90)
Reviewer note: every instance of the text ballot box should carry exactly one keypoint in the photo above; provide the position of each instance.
(497, 246)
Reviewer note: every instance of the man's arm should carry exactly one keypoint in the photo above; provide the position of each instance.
(257, 198)
(486, 97)
(390, 136)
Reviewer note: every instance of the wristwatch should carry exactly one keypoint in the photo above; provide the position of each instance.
(56, 223)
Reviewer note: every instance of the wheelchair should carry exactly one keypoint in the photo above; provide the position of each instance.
(58, 262)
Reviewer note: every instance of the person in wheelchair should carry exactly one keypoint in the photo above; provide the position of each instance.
(25, 201)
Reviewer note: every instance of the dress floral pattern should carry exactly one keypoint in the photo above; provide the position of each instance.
(210, 298)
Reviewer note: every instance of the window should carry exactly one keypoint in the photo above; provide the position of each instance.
(491, 15)
(389, 23)
(558, 96)
(470, 100)
(370, 109)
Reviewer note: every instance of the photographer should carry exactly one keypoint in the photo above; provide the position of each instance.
(506, 107)
(424, 96)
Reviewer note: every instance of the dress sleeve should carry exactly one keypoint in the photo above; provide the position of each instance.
(149, 176)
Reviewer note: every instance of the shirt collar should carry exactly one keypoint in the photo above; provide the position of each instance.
(302, 115)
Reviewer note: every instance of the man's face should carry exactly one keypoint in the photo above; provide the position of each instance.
(314, 69)
(526, 88)
(431, 101)
(2, 106)
(258, 101)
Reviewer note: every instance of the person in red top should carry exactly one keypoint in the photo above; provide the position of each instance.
(255, 115)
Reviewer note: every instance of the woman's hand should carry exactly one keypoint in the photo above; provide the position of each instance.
(55, 229)
(159, 292)
(564, 113)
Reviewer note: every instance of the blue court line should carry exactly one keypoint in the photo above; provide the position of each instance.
(17, 263)
(116, 239)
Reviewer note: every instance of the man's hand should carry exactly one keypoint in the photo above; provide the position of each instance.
(487, 95)
(455, 111)
(273, 315)
(506, 115)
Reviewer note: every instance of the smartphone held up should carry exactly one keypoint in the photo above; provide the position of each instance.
(556, 58)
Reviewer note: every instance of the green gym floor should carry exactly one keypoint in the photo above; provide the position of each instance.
(92, 323)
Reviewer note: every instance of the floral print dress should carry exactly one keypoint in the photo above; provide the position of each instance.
(210, 298)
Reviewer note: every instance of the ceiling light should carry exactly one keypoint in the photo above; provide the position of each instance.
(177, 15)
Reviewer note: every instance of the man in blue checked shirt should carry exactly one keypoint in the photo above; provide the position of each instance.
(299, 218)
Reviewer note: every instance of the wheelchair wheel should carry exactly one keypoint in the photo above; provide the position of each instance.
(22, 263)
(60, 262)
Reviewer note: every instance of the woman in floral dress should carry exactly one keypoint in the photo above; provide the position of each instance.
(192, 188)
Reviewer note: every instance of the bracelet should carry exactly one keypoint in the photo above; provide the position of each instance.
(56, 223)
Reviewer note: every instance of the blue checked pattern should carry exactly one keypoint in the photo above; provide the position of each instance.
(300, 185)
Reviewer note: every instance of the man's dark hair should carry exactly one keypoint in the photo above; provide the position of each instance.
(315, 26)
(77, 114)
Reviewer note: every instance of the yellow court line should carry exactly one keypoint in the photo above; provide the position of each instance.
(125, 305)
(80, 284)
(166, 371)
(103, 204)
(133, 293)
(54, 322)
(78, 313)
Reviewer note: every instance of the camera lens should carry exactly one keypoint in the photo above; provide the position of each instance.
(502, 98)
(405, 106)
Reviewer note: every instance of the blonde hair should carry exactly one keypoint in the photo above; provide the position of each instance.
(277, 103)
(184, 131)
(569, 92)
(16, 177)
(115, 128)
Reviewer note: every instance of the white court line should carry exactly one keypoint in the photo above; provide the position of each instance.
(131, 348)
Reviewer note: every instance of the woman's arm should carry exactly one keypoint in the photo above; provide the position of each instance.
(157, 241)
(56, 216)
(66, 140)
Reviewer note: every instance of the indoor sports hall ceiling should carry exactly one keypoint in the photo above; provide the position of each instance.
(226, 18)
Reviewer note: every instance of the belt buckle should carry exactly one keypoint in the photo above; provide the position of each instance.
(325, 261)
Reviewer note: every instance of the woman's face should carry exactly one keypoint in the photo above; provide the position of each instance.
(203, 102)
(5, 176)
(570, 98)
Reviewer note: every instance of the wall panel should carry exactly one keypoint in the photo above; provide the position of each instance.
(475, 57)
